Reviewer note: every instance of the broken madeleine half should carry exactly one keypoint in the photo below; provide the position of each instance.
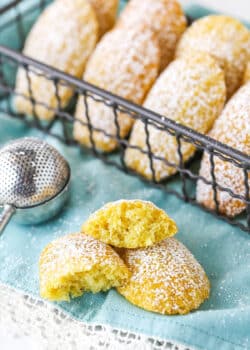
(78, 263)
(130, 224)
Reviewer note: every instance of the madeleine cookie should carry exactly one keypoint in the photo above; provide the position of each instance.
(130, 224)
(191, 91)
(165, 278)
(76, 263)
(247, 74)
(125, 63)
(106, 11)
(164, 17)
(226, 39)
(233, 129)
(69, 31)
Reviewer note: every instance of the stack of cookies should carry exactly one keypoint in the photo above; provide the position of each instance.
(128, 245)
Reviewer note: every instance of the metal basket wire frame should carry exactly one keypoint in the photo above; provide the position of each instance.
(182, 185)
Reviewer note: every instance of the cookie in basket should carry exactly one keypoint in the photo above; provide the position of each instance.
(125, 63)
(247, 74)
(63, 37)
(106, 11)
(130, 224)
(164, 17)
(191, 91)
(226, 39)
(165, 278)
(233, 129)
(76, 263)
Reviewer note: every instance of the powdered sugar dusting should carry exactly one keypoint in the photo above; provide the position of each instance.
(164, 17)
(74, 253)
(190, 91)
(226, 39)
(125, 63)
(166, 278)
(63, 37)
(233, 129)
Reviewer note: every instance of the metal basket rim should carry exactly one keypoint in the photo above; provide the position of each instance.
(143, 112)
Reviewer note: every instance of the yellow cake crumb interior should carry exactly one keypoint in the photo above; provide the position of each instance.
(130, 224)
(95, 280)
(78, 263)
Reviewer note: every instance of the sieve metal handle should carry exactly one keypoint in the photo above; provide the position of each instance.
(5, 216)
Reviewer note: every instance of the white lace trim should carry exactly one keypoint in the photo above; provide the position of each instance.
(22, 315)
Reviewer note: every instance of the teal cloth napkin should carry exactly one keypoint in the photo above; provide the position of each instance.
(223, 322)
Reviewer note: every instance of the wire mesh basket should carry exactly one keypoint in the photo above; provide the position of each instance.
(16, 20)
